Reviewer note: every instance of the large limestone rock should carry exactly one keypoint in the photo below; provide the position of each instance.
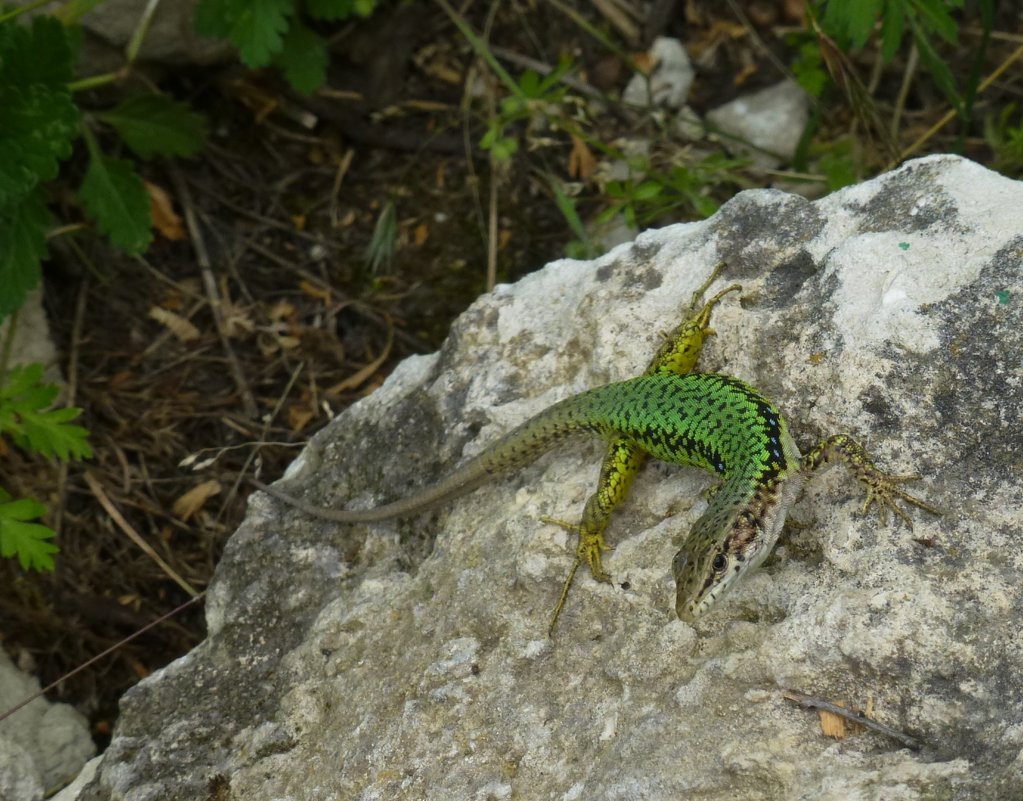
(410, 660)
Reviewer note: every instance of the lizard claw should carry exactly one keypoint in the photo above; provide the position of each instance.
(884, 489)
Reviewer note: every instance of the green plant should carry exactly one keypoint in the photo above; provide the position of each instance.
(851, 23)
(1006, 139)
(26, 417)
(380, 250)
(534, 96)
(39, 123)
(837, 161)
(642, 201)
(275, 32)
(808, 65)
(582, 247)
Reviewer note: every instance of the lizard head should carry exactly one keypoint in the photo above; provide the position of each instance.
(727, 542)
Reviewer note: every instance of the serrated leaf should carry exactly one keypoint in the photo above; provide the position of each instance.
(213, 18)
(934, 14)
(255, 27)
(37, 124)
(113, 195)
(50, 434)
(30, 542)
(155, 125)
(19, 379)
(331, 10)
(25, 415)
(39, 53)
(303, 59)
(22, 248)
(852, 19)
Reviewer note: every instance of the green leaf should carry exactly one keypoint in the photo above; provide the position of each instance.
(303, 58)
(504, 148)
(37, 124)
(113, 195)
(529, 83)
(19, 380)
(938, 67)
(381, 247)
(155, 125)
(52, 434)
(28, 541)
(22, 248)
(38, 120)
(838, 163)
(935, 17)
(39, 53)
(25, 415)
(892, 26)
(852, 19)
(255, 27)
(647, 190)
(808, 70)
(332, 10)
(566, 206)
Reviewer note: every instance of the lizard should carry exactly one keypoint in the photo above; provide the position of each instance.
(706, 420)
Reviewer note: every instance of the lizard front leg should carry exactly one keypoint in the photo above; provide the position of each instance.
(882, 488)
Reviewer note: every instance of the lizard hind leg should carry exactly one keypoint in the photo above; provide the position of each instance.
(882, 489)
(589, 551)
(590, 547)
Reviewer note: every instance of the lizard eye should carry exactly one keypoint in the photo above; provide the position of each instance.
(719, 563)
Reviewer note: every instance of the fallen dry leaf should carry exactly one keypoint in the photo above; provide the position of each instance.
(282, 310)
(165, 219)
(178, 325)
(581, 162)
(299, 417)
(193, 500)
(644, 62)
(237, 322)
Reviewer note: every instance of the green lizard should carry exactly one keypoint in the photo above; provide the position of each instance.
(706, 420)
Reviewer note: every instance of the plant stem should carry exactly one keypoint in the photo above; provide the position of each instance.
(141, 30)
(24, 9)
(96, 80)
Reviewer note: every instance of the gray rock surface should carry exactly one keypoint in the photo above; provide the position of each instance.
(409, 660)
(171, 38)
(43, 745)
(32, 339)
(771, 120)
(670, 80)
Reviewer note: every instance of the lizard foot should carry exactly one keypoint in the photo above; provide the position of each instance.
(883, 489)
